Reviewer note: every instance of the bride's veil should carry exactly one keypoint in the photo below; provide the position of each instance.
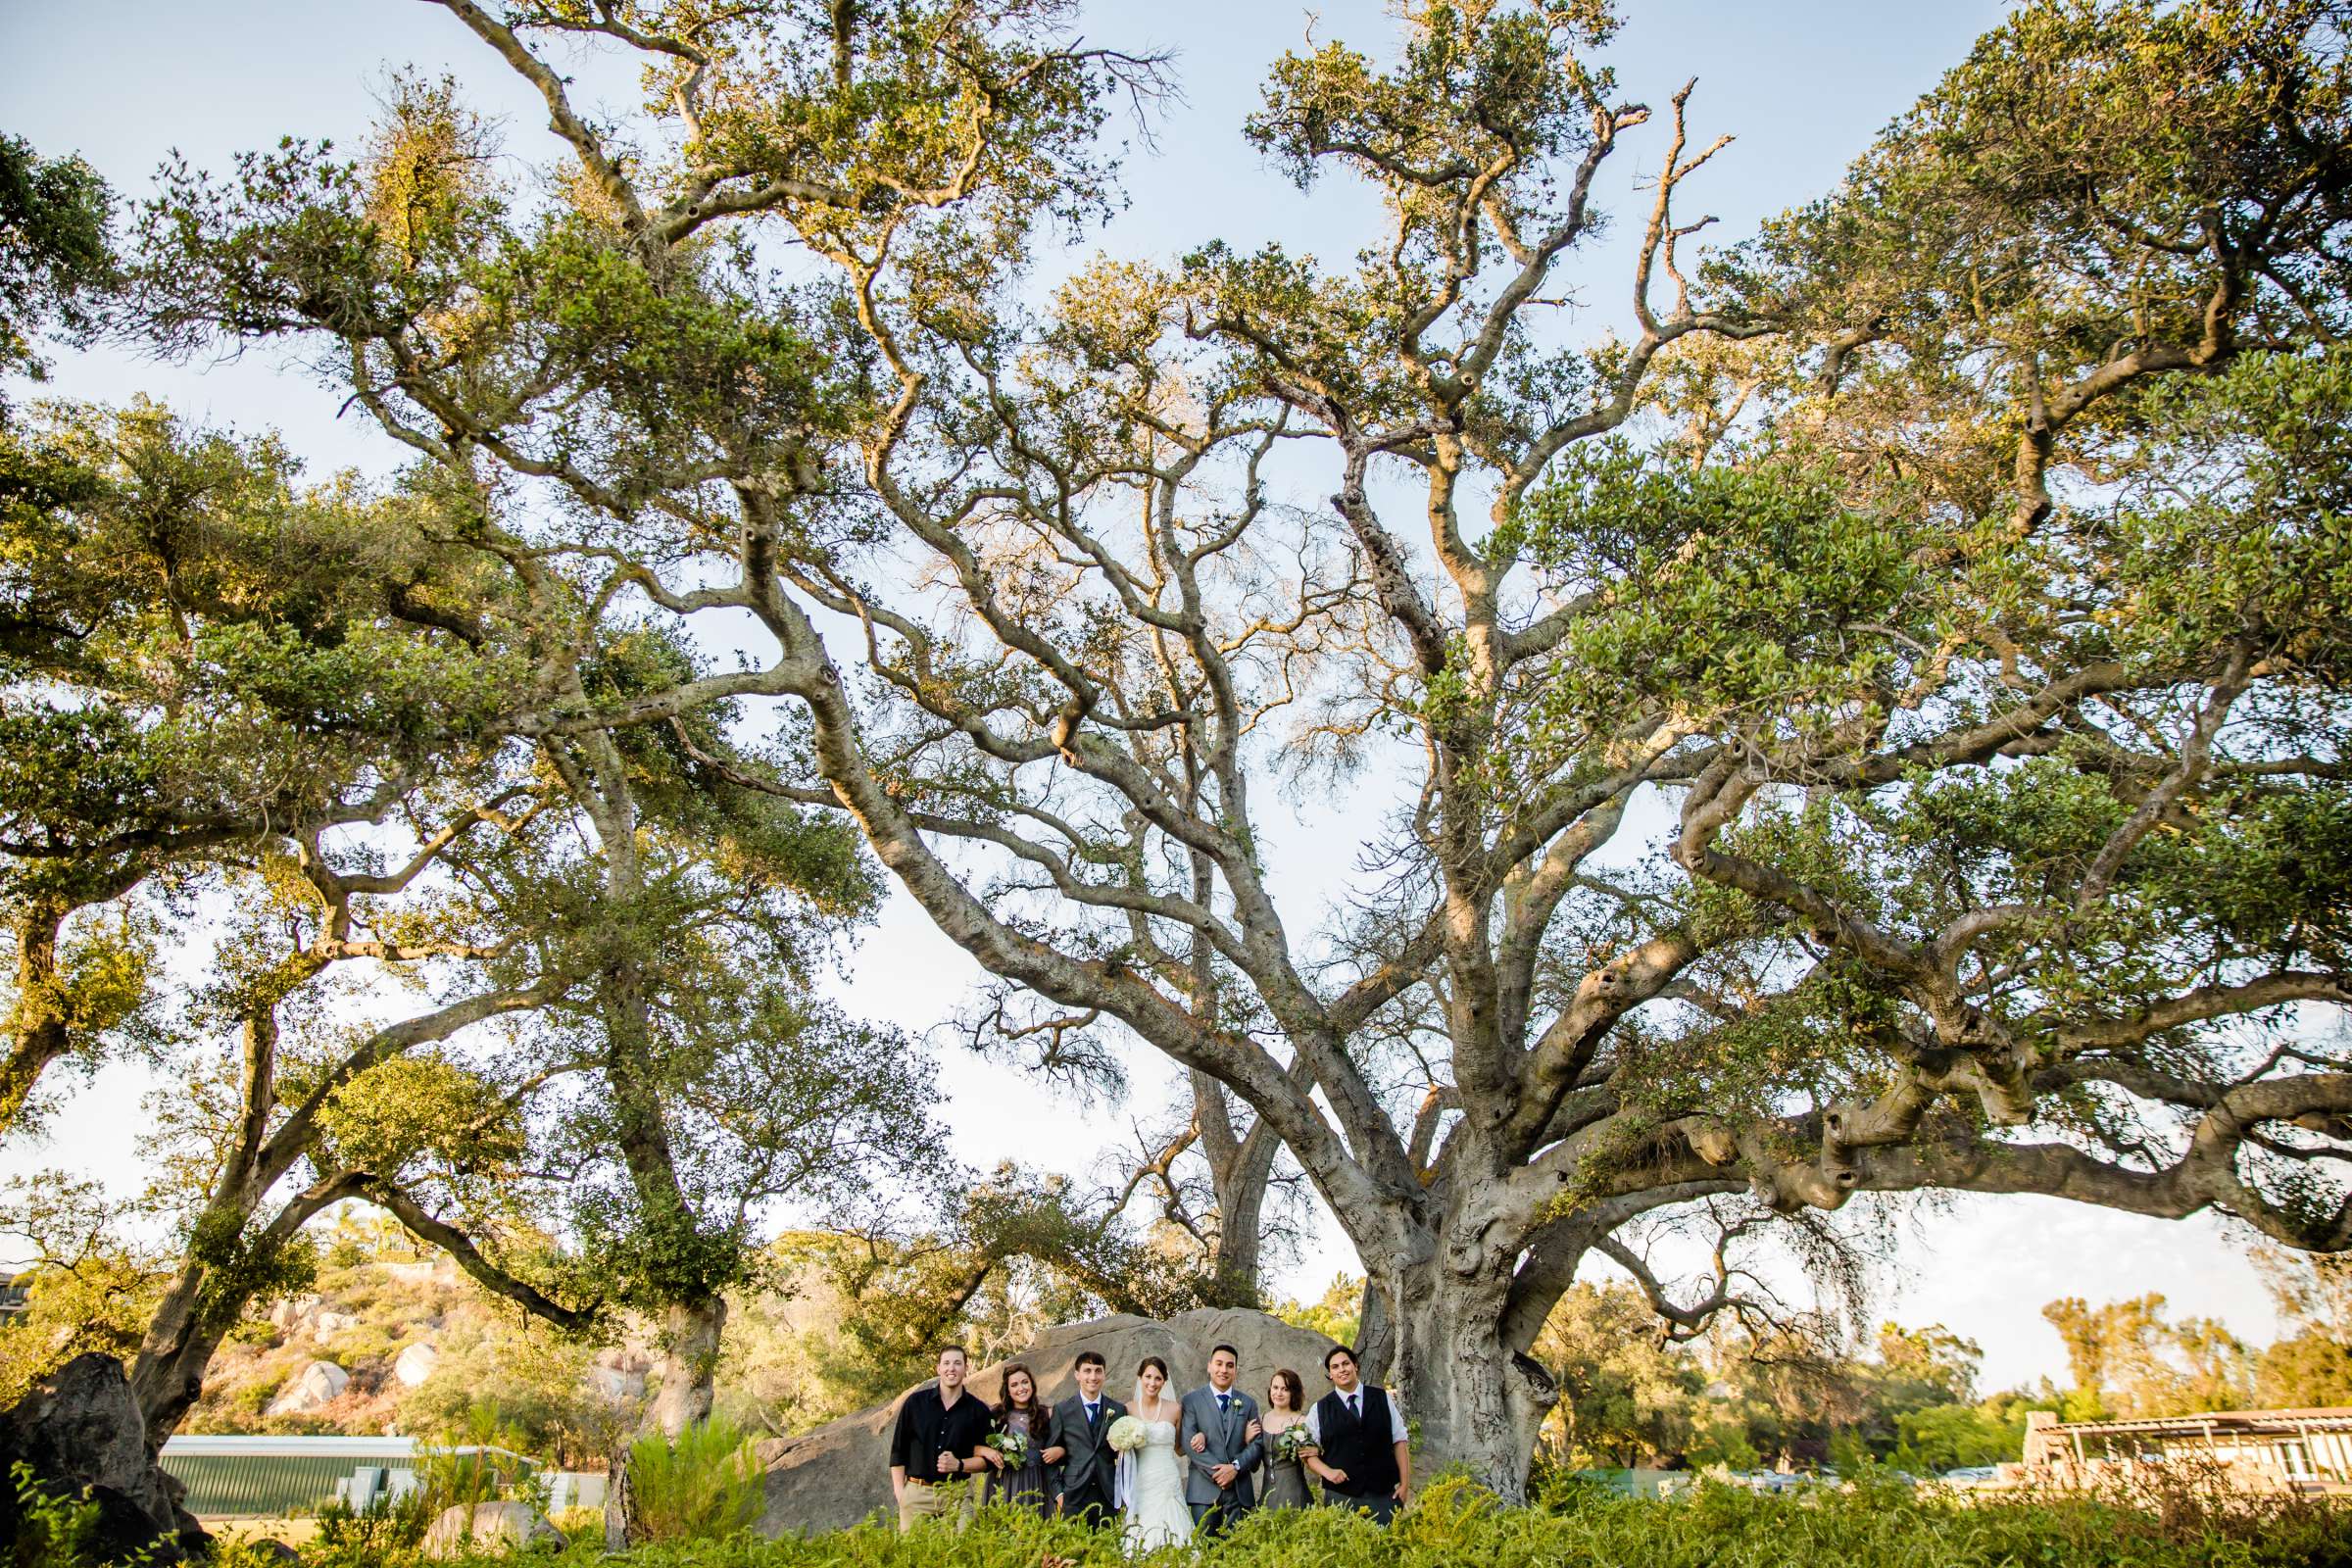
(1123, 1494)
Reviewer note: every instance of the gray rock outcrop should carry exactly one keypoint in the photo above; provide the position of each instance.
(78, 1430)
(831, 1478)
(317, 1385)
(487, 1527)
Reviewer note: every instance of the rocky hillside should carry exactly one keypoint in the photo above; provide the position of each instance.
(414, 1346)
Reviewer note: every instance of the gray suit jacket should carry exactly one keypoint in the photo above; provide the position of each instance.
(1088, 1459)
(1225, 1446)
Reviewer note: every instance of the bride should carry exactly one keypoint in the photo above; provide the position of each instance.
(1150, 1480)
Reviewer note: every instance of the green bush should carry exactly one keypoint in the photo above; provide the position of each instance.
(384, 1529)
(707, 1486)
(51, 1532)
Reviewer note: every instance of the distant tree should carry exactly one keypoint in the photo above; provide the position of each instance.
(2311, 1361)
(1950, 1436)
(1336, 1314)
(1630, 1396)
(1920, 1367)
(2133, 1361)
(2304, 1370)
(701, 1083)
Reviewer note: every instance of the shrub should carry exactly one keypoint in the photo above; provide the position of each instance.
(51, 1532)
(383, 1530)
(707, 1486)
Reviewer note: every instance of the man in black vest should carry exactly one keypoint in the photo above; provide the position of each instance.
(1365, 1460)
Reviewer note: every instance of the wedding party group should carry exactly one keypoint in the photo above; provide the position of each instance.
(1163, 1468)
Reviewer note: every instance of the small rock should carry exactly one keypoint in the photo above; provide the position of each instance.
(319, 1384)
(488, 1527)
(415, 1364)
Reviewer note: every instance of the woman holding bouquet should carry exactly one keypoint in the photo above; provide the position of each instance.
(1150, 1479)
(1015, 1473)
(1286, 1413)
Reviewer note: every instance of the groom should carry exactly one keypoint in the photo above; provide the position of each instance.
(1077, 1448)
(1220, 1436)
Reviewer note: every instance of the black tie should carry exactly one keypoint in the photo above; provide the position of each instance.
(1352, 1411)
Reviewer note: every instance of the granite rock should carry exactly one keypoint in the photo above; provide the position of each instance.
(78, 1430)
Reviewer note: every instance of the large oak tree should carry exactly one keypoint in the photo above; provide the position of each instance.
(1872, 725)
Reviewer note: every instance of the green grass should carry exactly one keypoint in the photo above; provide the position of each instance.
(1586, 1526)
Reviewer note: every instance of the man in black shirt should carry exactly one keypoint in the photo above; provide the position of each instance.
(938, 1429)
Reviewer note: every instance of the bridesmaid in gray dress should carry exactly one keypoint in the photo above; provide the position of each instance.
(1286, 1407)
(1022, 1485)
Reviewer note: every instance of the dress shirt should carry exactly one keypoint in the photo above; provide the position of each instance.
(1355, 1407)
(928, 1427)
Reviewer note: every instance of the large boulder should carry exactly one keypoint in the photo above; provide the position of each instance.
(414, 1365)
(831, 1478)
(79, 1432)
(293, 1314)
(316, 1386)
(461, 1531)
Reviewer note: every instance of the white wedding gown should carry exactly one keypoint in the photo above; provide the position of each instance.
(1156, 1513)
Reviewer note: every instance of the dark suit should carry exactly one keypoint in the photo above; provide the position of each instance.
(1083, 1480)
(1214, 1506)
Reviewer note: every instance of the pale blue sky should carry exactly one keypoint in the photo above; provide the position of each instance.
(1801, 83)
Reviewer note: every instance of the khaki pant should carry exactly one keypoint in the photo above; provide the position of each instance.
(919, 1502)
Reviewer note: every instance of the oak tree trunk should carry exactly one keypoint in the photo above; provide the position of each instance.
(1474, 1402)
(688, 1365)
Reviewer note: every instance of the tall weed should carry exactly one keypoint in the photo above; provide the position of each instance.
(706, 1486)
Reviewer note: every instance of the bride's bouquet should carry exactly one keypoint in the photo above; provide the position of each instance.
(1014, 1446)
(1127, 1435)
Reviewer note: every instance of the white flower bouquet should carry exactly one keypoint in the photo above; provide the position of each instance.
(1292, 1441)
(1014, 1446)
(1127, 1435)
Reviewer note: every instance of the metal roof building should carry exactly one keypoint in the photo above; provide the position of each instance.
(239, 1477)
(2304, 1450)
